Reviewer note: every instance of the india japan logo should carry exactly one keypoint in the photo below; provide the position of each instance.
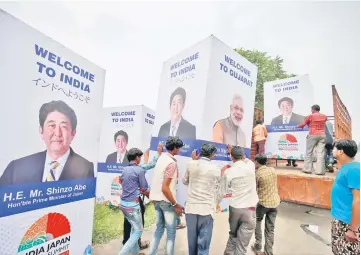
(287, 142)
(49, 235)
(116, 190)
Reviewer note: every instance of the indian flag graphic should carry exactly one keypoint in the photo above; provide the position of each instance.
(116, 191)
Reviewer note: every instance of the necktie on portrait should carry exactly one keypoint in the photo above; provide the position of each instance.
(286, 120)
(120, 159)
(51, 174)
(173, 131)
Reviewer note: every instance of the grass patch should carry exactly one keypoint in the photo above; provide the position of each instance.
(108, 222)
(149, 216)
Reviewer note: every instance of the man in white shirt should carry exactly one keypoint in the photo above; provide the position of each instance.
(203, 180)
(163, 194)
(240, 180)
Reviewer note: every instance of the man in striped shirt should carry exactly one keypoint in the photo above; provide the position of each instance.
(267, 190)
(315, 140)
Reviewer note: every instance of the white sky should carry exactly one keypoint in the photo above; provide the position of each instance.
(132, 40)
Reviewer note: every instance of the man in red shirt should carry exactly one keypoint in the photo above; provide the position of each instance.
(315, 140)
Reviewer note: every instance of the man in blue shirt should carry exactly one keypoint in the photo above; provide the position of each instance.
(127, 227)
(345, 201)
(133, 183)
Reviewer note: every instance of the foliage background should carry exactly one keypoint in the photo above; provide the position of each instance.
(269, 69)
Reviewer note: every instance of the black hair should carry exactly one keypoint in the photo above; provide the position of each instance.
(173, 142)
(207, 150)
(237, 152)
(287, 99)
(316, 107)
(57, 106)
(178, 91)
(348, 146)
(122, 133)
(133, 153)
(261, 159)
(259, 122)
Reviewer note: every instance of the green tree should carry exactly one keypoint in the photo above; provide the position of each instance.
(269, 69)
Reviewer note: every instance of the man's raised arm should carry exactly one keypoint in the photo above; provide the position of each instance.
(151, 165)
(305, 122)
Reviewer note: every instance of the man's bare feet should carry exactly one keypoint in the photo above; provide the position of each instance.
(330, 168)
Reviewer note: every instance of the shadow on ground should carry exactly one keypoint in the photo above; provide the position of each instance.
(290, 238)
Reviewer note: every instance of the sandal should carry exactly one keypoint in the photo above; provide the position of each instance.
(144, 245)
(256, 252)
(180, 226)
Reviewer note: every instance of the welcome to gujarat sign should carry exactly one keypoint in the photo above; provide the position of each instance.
(51, 111)
(206, 93)
(287, 102)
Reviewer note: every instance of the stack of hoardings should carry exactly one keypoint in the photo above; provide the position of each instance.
(286, 104)
(207, 93)
(123, 128)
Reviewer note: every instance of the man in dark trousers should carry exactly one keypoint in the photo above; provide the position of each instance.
(329, 147)
(269, 200)
(291, 162)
